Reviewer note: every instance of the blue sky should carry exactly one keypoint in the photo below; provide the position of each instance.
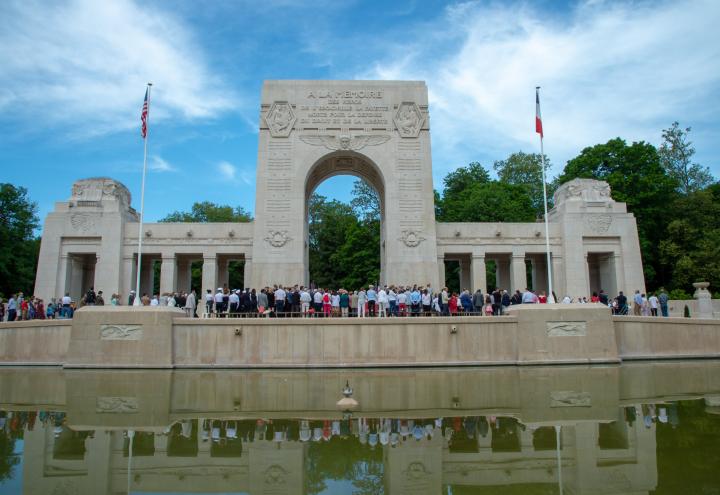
(73, 73)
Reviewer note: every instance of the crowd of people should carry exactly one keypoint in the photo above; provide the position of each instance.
(300, 301)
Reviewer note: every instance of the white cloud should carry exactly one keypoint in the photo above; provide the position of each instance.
(230, 172)
(606, 69)
(227, 170)
(158, 164)
(84, 64)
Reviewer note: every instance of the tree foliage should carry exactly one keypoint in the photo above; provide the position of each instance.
(210, 212)
(525, 169)
(676, 153)
(365, 201)
(344, 249)
(19, 247)
(470, 196)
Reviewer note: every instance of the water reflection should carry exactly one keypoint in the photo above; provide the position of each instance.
(608, 430)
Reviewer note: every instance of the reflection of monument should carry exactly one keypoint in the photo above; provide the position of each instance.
(600, 458)
(310, 131)
(197, 432)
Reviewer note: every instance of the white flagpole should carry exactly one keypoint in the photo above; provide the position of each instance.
(136, 302)
(550, 296)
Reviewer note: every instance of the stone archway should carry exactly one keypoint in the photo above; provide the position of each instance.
(345, 163)
(312, 130)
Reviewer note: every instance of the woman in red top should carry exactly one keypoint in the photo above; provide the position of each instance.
(453, 304)
(327, 307)
(542, 298)
(594, 298)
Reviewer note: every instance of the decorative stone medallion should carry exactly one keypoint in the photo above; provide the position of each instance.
(416, 471)
(599, 224)
(345, 142)
(280, 119)
(82, 222)
(121, 332)
(409, 120)
(277, 238)
(411, 238)
(275, 475)
(566, 328)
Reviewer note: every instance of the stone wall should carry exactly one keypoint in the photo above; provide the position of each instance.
(157, 337)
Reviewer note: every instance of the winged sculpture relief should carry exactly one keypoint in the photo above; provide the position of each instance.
(345, 142)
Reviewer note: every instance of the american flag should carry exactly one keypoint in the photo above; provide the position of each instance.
(538, 119)
(144, 116)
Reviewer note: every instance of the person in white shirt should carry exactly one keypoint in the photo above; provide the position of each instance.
(654, 304)
(382, 302)
(317, 301)
(219, 306)
(171, 301)
(279, 300)
(234, 300)
(362, 299)
(190, 305)
(304, 302)
(154, 301)
(335, 303)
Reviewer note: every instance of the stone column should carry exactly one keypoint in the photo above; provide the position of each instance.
(441, 271)
(479, 276)
(63, 276)
(167, 274)
(183, 274)
(464, 274)
(519, 273)
(147, 276)
(247, 274)
(222, 273)
(539, 274)
(209, 281)
(557, 276)
(620, 276)
(129, 276)
(76, 278)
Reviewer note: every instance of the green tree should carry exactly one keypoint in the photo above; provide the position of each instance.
(463, 177)
(343, 250)
(690, 249)
(365, 200)
(210, 212)
(637, 178)
(525, 169)
(19, 247)
(676, 153)
(470, 196)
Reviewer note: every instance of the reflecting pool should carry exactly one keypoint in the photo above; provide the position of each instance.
(630, 429)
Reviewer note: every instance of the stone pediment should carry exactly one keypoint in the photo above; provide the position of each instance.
(98, 189)
(591, 191)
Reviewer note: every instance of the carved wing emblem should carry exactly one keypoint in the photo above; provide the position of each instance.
(359, 142)
(330, 142)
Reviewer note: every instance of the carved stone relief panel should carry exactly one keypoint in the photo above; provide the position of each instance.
(409, 120)
(280, 119)
(566, 328)
(122, 405)
(121, 332)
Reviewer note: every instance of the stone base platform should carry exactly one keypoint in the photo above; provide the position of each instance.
(159, 337)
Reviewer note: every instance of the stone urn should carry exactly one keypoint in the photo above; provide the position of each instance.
(704, 299)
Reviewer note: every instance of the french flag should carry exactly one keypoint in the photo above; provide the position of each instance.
(538, 118)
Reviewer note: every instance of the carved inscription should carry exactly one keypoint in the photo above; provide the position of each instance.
(570, 398)
(121, 405)
(566, 328)
(121, 332)
(344, 108)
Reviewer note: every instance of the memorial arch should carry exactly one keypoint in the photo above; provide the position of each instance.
(312, 130)
(308, 132)
(345, 163)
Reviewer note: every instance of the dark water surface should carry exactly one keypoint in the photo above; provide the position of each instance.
(646, 428)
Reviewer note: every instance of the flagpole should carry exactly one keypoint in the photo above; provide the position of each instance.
(551, 297)
(136, 301)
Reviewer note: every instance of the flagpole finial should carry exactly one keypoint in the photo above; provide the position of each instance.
(537, 87)
(149, 84)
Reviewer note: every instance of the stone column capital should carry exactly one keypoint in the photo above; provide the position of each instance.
(478, 256)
